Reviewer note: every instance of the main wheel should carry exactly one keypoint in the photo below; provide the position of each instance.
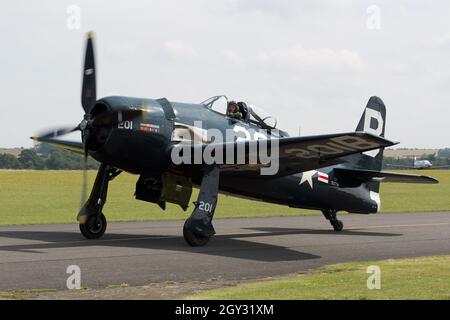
(94, 229)
(338, 225)
(193, 239)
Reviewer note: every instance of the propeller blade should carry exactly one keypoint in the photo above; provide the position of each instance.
(115, 117)
(84, 183)
(88, 93)
(57, 132)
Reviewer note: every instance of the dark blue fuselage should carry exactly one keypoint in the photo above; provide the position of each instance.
(142, 147)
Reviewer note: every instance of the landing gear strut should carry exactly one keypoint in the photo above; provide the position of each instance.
(330, 214)
(91, 218)
(198, 228)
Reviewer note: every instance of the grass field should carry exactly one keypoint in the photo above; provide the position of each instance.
(29, 197)
(415, 278)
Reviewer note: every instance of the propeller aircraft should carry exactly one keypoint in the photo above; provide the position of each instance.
(175, 146)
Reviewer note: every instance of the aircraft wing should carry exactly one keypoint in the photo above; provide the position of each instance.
(73, 146)
(371, 175)
(295, 154)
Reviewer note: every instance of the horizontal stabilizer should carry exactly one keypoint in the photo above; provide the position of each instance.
(358, 176)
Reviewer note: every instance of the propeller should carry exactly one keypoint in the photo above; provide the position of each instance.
(88, 98)
(90, 125)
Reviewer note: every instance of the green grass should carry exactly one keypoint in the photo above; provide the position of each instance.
(30, 197)
(416, 278)
(23, 294)
(399, 197)
(34, 196)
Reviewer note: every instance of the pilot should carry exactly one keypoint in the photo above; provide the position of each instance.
(233, 110)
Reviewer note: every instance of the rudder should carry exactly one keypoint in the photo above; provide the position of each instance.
(373, 120)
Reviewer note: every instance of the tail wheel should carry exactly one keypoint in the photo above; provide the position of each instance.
(93, 228)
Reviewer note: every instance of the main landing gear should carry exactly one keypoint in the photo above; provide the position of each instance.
(94, 227)
(330, 214)
(91, 218)
(198, 228)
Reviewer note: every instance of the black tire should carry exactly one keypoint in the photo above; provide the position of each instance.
(91, 230)
(338, 225)
(193, 239)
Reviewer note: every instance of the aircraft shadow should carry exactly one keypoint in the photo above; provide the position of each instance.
(229, 245)
(351, 232)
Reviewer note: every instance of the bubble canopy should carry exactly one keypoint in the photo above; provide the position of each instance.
(256, 114)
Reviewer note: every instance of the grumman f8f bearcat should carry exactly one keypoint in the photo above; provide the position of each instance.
(147, 137)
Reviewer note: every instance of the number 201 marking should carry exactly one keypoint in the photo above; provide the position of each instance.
(128, 125)
(205, 206)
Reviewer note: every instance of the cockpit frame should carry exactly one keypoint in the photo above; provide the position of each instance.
(252, 116)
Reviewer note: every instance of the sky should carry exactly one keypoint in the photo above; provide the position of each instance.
(312, 64)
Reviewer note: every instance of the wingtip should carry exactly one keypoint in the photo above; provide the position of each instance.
(433, 180)
(429, 179)
(387, 142)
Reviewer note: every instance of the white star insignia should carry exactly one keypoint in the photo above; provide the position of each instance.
(307, 177)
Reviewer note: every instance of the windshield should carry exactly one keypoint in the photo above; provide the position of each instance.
(217, 103)
(261, 116)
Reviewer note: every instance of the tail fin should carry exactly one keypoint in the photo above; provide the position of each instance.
(373, 120)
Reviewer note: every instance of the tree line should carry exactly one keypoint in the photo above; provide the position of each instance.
(45, 157)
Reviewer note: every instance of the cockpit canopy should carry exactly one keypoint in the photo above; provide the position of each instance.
(250, 113)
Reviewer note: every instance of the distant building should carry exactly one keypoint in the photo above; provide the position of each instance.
(14, 151)
(409, 153)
